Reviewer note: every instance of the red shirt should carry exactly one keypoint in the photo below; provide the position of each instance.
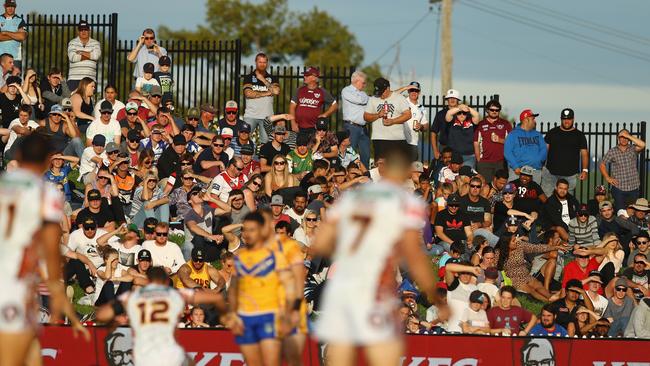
(491, 151)
(573, 271)
(250, 168)
(309, 104)
(514, 317)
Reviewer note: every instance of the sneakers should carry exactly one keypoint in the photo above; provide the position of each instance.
(87, 300)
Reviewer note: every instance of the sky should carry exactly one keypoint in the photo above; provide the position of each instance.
(528, 67)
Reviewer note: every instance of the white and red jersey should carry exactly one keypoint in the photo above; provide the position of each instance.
(153, 312)
(223, 184)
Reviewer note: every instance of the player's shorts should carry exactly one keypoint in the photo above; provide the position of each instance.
(360, 320)
(258, 327)
(15, 315)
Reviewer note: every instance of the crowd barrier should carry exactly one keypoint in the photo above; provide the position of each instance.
(217, 348)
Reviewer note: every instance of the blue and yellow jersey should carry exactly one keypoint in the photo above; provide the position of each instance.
(258, 280)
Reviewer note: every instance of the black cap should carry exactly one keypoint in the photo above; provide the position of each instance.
(567, 113)
(195, 189)
(133, 135)
(149, 225)
(89, 223)
(476, 297)
(93, 195)
(380, 85)
(245, 127)
(456, 158)
(342, 135)
(106, 106)
(179, 140)
(453, 200)
(197, 255)
(10, 3)
(99, 140)
(302, 139)
(246, 150)
(83, 25)
(164, 61)
(322, 124)
(583, 209)
(466, 171)
(144, 255)
(148, 67)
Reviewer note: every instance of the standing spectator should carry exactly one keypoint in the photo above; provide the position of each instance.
(311, 102)
(567, 152)
(624, 177)
(489, 136)
(82, 103)
(164, 77)
(418, 121)
(392, 110)
(525, 146)
(619, 309)
(83, 53)
(583, 229)
(146, 83)
(110, 95)
(54, 89)
(6, 70)
(559, 209)
(151, 52)
(105, 125)
(259, 89)
(13, 31)
(439, 128)
(461, 120)
(231, 120)
(353, 102)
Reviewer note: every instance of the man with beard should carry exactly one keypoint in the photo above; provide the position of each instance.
(297, 212)
(610, 223)
(560, 209)
(547, 325)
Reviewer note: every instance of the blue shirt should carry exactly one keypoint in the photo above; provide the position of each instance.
(63, 179)
(525, 148)
(354, 103)
(11, 25)
(539, 330)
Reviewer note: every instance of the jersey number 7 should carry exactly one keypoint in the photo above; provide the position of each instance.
(364, 223)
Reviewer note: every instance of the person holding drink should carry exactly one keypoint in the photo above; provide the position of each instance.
(418, 121)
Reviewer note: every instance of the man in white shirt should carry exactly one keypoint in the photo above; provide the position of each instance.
(146, 50)
(595, 284)
(354, 101)
(105, 125)
(91, 158)
(21, 126)
(84, 241)
(163, 252)
(459, 286)
(418, 121)
(110, 95)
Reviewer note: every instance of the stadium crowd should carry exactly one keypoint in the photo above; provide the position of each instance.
(144, 187)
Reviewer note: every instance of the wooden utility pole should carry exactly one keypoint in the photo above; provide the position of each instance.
(445, 49)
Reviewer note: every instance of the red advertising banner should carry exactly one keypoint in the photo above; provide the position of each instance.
(218, 348)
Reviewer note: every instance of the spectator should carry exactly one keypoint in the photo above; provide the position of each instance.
(19, 128)
(213, 160)
(242, 139)
(461, 121)
(311, 102)
(32, 96)
(619, 309)
(60, 166)
(127, 246)
(98, 210)
(585, 321)
(301, 158)
(110, 95)
(231, 119)
(529, 196)
(610, 223)
(200, 224)
(279, 177)
(478, 210)
(259, 89)
(126, 181)
(504, 209)
(227, 134)
(149, 201)
(639, 323)
(449, 173)
(624, 177)
(608, 254)
(166, 121)
(436, 165)
(11, 100)
(583, 229)
(324, 143)
(82, 103)
(228, 180)
(474, 320)
(83, 53)
(638, 276)
(508, 318)
(297, 211)
(489, 136)
(14, 32)
(132, 148)
(440, 127)
(54, 89)
(64, 136)
(547, 267)
(418, 121)
(273, 148)
(594, 287)
(132, 121)
(525, 146)
(567, 152)
(560, 209)
(639, 246)
(178, 204)
(151, 52)
(146, 83)
(238, 208)
(353, 102)
(165, 78)
(251, 166)
(600, 195)
(253, 192)
(169, 163)
(188, 131)
(451, 225)
(458, 278)
(567, 307)
(84, 241)
(640, 217)
(105, 125)
(197, 318)
(393, 110)
(112, 279)
(164, 253)
(92, 157)
(547, 325)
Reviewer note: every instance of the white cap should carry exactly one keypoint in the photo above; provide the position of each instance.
(452, 93)
(227, 132)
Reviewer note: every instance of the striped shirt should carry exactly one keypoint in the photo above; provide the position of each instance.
(584, 233)
(79, 68)
(623, 167)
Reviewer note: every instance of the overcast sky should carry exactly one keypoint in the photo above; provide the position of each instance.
(528, 67)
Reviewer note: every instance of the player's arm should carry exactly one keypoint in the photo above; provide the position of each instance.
(205, 297)
(216, 278)
(184, 275)
(418, 264)
(324, 243)
(107, 312)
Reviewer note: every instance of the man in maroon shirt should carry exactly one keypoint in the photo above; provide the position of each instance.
(489, 136)
(510, 318)
(308, 102)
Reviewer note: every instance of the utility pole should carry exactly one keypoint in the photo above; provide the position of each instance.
(445, 49)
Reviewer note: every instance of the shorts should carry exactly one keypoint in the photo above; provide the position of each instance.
(15, 316)
(359, 320)
(258, 328)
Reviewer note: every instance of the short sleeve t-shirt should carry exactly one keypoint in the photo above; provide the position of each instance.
(490, 151)
(258, 108)
(564, 151)
(102, 217)
(268, 151)
(166, 81)
(440, 126)
(474, 210)
(396, 105)
(109, 130)
(453, 225)
(527, 198)
(512, 318)
(309, 104)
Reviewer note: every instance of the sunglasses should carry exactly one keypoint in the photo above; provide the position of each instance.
(239, 168)
(67, 110)
(161, 233)
(582, 256)
(244, 132)
(494, 110)
(279, 163)
(192, 119)
(147, 162)
(231, 112)
(134, 141)
(227, 138)
(149, 38)
(106, 112)
(583, 214)
(187, 178)
(217, 145)
(475, 186)
(185, 163)
(452, 206)
(89, 228)
(102, 177)
(132, 114)
(311, 219)
(642, 242)
(621, 289)
(256, 183)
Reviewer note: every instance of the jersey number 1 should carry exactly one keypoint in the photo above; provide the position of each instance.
(155, 312)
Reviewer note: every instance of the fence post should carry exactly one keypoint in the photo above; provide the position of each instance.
(236, 72)
(644, 163)
(112, 56)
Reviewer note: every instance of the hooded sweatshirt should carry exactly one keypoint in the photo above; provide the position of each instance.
(525, 148)
(639, 324)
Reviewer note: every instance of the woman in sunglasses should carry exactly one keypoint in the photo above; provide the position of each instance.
(253, 192)
(279, 177)
(462, 120)
(305, 233)
(145, 164)
(178, 197)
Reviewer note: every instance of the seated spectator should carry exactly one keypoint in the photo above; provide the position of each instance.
(438, 316)
(92, 157)
(488, 284)
(436, 165)
(600, 195)
(639, 323)
(226, 135)
(231, 119)
(243, 139)
(60, 167)
(253, 192)
(112, 279)
(145, 83)
(509, 319)
(145, 164)
(610, 223)
(230, 179)
(451, 225)
(324, 142)
(166, 122)
(124, 239)
(347, 155)
(169, 163)
(547, 267)
(297, 210)
(505, 209)
(84, 240)
(566, 307)
(580, 268)
(638, 276)
(200, 221)
(439, 203)
(251, 165)
(149, 201)
(125, 182)
(474, 320)
(189, 132)
(132, 148)
(54, 88)
(273, 148)
(478, 210)
(155, 142)
(320, 168)
(547, 325)
(178, 198)
(198, 274)
(133, 121)
(307, 229)
(105, 125)
(164, 253)
(300, 159)
(583, 229)
(640, 216)
(608, 254)
(594, 286)
(495, 192)
(559, 209)
(529, 196)
(316, 199)
(213, 160)
(98, 210)
(459, 281)
(449, 173)
(639, 246)
(197, 318)
(110, 95)
(279, 177)
(619, 309)
(19, 128)
(585, 321)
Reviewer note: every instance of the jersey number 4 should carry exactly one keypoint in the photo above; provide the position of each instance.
(364, 224)
(154, 312)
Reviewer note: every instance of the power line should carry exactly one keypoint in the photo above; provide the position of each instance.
(533, 23)
(581, 22)
(404, 36)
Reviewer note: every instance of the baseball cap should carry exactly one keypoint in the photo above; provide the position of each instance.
(231, 105)
(466, 171)
(414, 85)
(452, 93)
(311, 71)
(133, 135)
(10, 2)
(89, 223)
(509, 188)
(144, 255)
(111, 146)
(453, 200)
(245, 127)
(322, 124)
(149, 225)
(315, 189)
(208, 108)
(246, 150)
(56, 109)
(380, 85)
(597, 275)
(573, 283)
(621, 282)
(133, 228)
(491, 273)
(106, 106)
(601, 190)
(99, 140)
(66, 103)
(93, 195)
(303, 139)
(155, 90)
(456, 158)
(83, 25)
(417, 166)
(605, 204)
(197, 255)
(179, 140)
(527, 170)
(527, 113)
(164, 61)
(148, 68)
(13, 79)
(512, 221)
(476, 297)
(131, 106)
(193, 113)
(279, 129)
(277, 200)
(227, 132)
(567, 113)
(583, 209)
